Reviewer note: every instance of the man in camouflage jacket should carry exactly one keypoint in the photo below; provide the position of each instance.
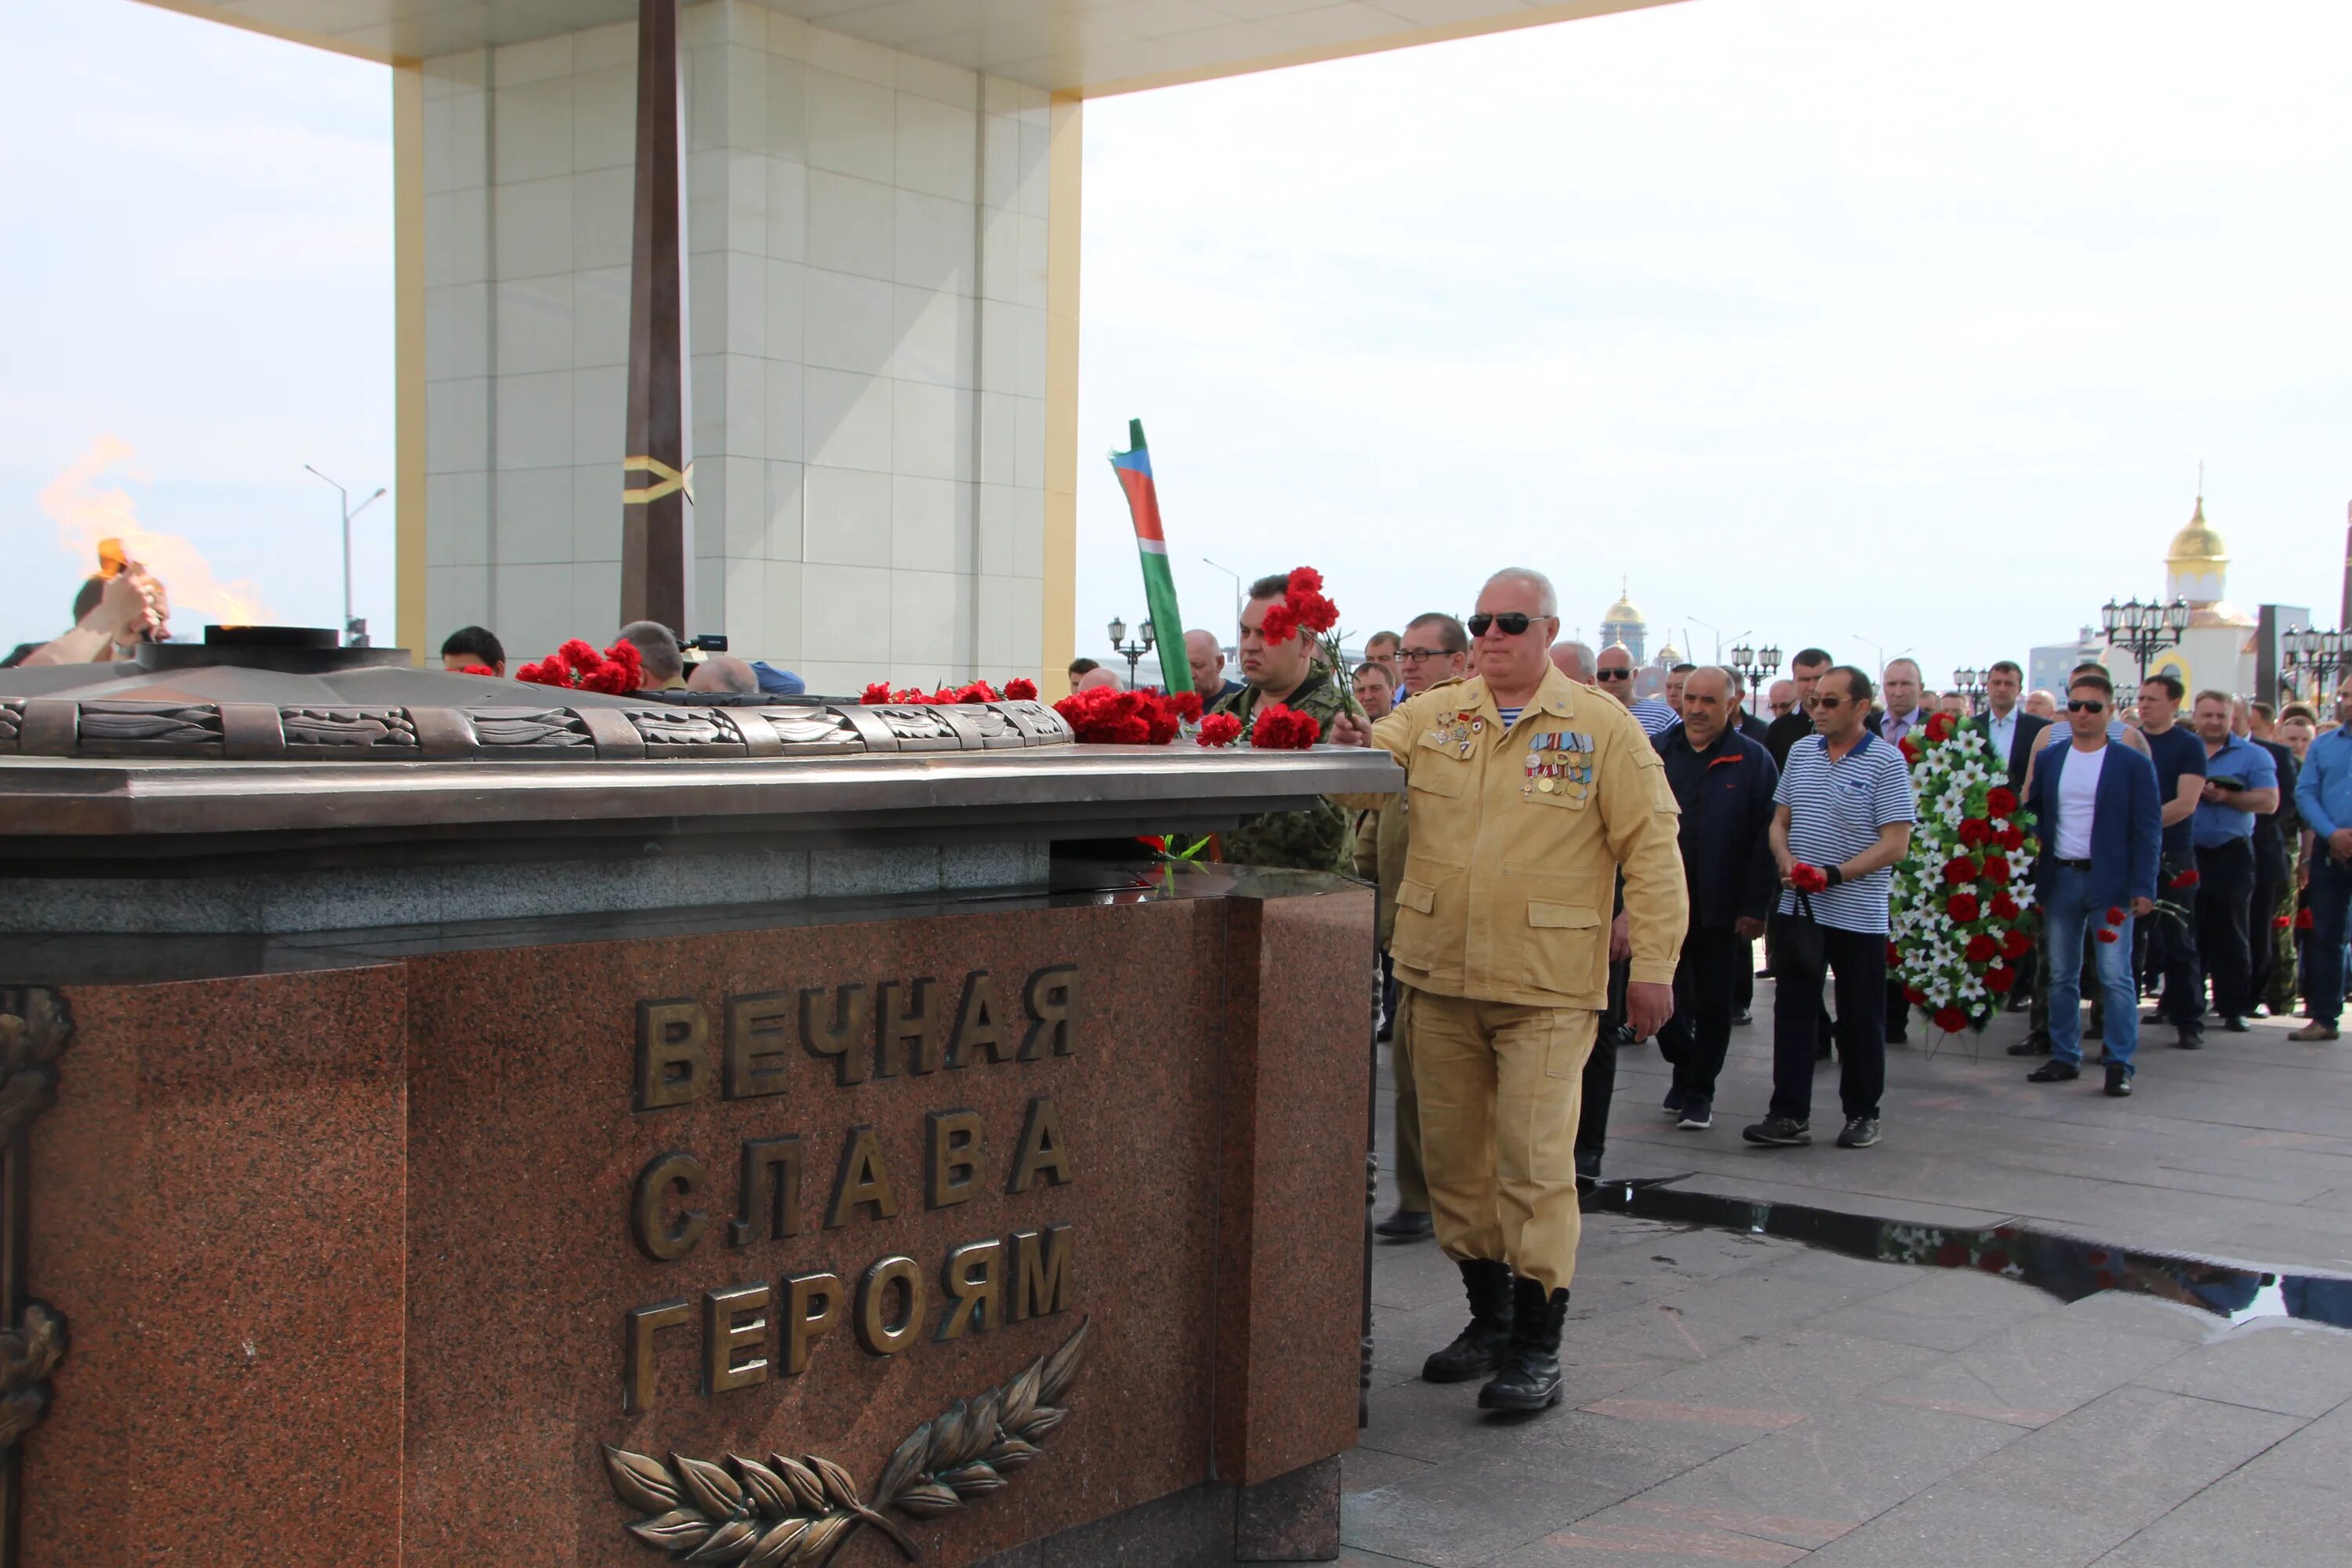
(1320, 839)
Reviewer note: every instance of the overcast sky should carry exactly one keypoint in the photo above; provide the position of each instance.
(1828, 321)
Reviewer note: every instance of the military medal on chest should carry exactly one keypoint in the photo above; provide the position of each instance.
(1558, 762)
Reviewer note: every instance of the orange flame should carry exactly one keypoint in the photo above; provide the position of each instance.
(90, 517)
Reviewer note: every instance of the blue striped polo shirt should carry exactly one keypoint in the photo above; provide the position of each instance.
(1835, 810)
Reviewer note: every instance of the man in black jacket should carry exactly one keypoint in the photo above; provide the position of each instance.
(2012, 732)
(1806, 668)
(1724, 782)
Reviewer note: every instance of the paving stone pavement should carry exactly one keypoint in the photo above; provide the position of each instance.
(1735, 1398)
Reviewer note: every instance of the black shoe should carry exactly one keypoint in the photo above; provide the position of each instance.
(2032, 1046)
(2191, 1040)
(1821, 1052)
(1406, 1224)
(1698, 1114)
(2119, 1079)
(1587, 1169)
(1479, 1349)
(2234, 1025)
(1898, 1037)
(2055, 1071)
(1780, 1132)
(2096, 1029)
(1674, 1101)
(1859, 1132)
(1742, 1019)
(1529, 1378)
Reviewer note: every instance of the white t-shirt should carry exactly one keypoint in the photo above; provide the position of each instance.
(2078, 797)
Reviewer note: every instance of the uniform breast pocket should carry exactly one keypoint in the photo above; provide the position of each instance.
(1565, 950)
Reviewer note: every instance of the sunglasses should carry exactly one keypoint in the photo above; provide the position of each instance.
(1512, 622)
(1824, 699)
(2093, 706)
(1612, 674)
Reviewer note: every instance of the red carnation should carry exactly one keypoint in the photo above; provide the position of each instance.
(2004, 908)
(479, 670)
(1021, 688)
(1959, 871)
(2186, 880)
(1998, 979)
(1961, 906)
(1940, 726)
(1999, 801)
(1910, 751)
(2106, 933)
(2304, 921)
(1280, 624)
(1981, 948)
(1281, 728)
(2114, 914)
(1807, 878)
(1219, 730)
(1314, 612)
(2280, 922)
(1975, 830)
(1186, 705)
(1951, 1020)
(1996, 870)
(1304, 580)
(2015, 944)
(978, 691)
(1914, 996)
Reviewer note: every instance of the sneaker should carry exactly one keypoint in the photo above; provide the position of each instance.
(2119, 1079)
(2234, 1025)
(1698, 1114)
(1859, 1132)
(1742, 1017)
(2055, 1071)
(1675, 1101)
(2314, 1030)
(1780, 1132)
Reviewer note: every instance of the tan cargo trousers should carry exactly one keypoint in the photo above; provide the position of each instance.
(1499, 1086)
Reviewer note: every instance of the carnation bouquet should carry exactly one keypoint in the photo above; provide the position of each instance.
(1963, 912)
(1303, 611)
(617, 671)
(1016, 689)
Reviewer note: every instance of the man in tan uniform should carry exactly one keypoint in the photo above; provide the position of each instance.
(1530, 795)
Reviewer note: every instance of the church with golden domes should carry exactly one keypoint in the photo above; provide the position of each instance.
(2218, 650)
(1622, 623)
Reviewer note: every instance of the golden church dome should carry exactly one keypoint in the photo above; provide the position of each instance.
(1624, 611)
(2197, 544)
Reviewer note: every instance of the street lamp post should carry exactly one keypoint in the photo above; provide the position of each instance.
(2143, 630)
(1237, 588)
(1132, 651)
(2317, 656)
(354, 629)
(1970, 684)
(1755, 666)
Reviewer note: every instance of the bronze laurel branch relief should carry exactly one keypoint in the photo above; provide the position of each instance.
(796, 1513)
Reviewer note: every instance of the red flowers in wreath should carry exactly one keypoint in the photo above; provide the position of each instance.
(1999, 979)
(1940, 726)
(2004, 908)
(1951, 1020)
(1999, 801)
(1302, 608)
(1997, 869)
(617, 671)
(1959, 871)
(1975, 830)
(1962, 907)
(1981, 948)
(1281, 728)
(2015, 943)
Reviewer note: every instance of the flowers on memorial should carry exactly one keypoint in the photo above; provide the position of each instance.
(1103, 717)
(975, 692)
(479, 669)
(1021, 688)
(577, 665)
(1962, 916)
(1304, 609)
(1219, 730)
(1280, 728)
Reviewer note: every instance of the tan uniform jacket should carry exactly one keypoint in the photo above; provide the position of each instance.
(1380, 840)
(1517, 837)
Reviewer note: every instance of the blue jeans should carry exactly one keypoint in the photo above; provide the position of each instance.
(2331, 889)
(2066, 907)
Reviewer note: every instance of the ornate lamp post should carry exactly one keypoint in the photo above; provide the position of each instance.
(1970, 684)
(2313, 660)
(2143, 630)
(1132, 652)
(1755, 666)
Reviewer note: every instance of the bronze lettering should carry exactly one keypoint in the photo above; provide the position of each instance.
(1042, 1152)
(673, 1053)
(979, 1023)
(756, 1026)
(917, 1024)
(812, 1307)
(841, 1039)
(1051, 997)
(952, 1174)
(637, 1355)
(873, 1298)
(863, 1179)
(972, 1278)
(662, 1242)
(771, 1207)
(734, 1320)
(1040, 1268)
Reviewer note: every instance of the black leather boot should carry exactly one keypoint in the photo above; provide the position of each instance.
(1479, 1349)
(1529, 1379)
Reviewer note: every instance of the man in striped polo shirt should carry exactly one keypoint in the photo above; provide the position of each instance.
(1843, 815)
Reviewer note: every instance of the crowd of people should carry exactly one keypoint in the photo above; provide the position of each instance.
(1570, 868)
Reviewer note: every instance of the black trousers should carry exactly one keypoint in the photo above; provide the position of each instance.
(1858, 960)
(1705, 989)
(2170, 951)
(2225, 889)
(2262, 940)
(1743, 985)
(1599, 1085)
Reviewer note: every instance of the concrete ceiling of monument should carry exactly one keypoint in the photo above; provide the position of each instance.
(1105, 46)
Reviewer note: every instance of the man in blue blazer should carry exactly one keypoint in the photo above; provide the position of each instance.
(2096, 807)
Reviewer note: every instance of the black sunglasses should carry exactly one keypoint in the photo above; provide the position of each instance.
(1612, 674)
(1512, 622)
(2076, 705)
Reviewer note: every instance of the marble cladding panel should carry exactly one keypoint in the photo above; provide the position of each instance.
(868, 236)
(217, 1211)
(524, 1150)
